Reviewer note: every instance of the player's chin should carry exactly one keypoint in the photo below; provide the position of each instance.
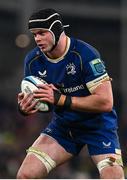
(45, 49)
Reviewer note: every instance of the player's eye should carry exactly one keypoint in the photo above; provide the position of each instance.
(34, 34)
(38, 33)
(42, 33)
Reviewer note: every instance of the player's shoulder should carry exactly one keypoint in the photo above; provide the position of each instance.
(84, 48)
(32, 54)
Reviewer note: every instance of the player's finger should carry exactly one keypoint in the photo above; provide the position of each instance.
(29, 105)
(27, 100)
(43, 86)
(32, 105)
(20, 95)
(47, 99)
(53, 86)
(33, 111)
(41, 91)
(39, 96)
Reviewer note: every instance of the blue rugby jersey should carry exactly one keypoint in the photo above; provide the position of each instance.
(76, 73)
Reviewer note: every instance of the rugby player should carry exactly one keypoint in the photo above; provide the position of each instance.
(80, 91)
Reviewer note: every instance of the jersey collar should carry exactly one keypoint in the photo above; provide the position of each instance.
(62, 57)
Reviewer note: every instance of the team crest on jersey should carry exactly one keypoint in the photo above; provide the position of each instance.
(70, 68)
(97, 66)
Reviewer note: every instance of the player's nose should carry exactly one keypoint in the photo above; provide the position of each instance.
(37, 37)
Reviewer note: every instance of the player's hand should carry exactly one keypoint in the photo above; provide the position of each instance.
(45, 93)
(49, 93)
(26, 103)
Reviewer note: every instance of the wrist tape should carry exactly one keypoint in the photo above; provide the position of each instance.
(62, 100)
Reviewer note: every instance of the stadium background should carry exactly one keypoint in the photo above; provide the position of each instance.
(103, 24)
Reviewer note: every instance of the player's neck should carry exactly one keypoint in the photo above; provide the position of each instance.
(59, 49)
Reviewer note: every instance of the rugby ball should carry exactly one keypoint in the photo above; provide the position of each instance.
(28, 85)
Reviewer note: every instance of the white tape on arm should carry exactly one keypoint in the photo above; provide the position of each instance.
(98, 81)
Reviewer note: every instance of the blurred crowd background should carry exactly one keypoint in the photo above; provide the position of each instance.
(103, 24)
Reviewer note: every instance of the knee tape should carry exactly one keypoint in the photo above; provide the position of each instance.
(43, 157)
(110, 161)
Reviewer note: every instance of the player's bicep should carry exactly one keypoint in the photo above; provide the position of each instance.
(104, 92)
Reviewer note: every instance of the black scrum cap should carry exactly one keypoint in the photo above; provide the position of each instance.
(48, 19)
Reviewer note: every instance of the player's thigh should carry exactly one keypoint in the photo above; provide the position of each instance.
(34, 167)
(109, 165)
(51, 147)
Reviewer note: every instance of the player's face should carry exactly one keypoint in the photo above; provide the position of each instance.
(44, 39)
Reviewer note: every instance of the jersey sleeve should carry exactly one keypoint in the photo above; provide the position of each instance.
(26, 66)
(33, 54)
(93, 69)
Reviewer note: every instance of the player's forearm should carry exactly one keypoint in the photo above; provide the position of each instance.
(92, 103)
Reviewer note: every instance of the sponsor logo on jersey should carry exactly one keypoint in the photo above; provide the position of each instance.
(48, 130)
(73, 89)
(42, 74)
(70, 68)
(106, 145)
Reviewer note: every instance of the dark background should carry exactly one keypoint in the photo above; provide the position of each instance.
(103, 24)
